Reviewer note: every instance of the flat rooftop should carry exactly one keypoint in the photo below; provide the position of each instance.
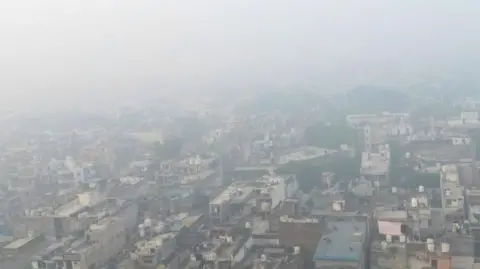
(237, 192)
(374, 164)
(19, 243)
(343, 242)
(69, 208)
(388, 214)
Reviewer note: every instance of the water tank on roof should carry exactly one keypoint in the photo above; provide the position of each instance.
(448, 192)
(248, 225)
(394, 189)
(263, 258)
(265, 206)
(430, 241)
(402, 238)
(296, 250)
(148, 223)
(337, 206)
(407, 155)
(384, 245)
(445, 247)
(431, 247)
(388, 238)
(133, 257)
(414, 202)
(421, 188)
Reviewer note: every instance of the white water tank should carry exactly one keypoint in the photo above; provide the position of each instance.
(445, 247)
(394, 189)
(148, 223)
(384, 245)
(141, 226)
(431, 247)
(444, 168)
(430, 241)
(337, 206)
(248, 225)
(263, 258)
(448, 192)
(141, 232)
(210, 256)
(296, 250)
(414, 202)
(407, 155)
(192, 257)
(31, 233)
(265, 206)
(133, 257)
(402, 238)
(421, 188)
(388, 238)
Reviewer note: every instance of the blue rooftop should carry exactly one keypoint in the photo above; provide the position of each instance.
(343, 241)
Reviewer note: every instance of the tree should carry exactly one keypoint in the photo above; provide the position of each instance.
(169, 149)
(330, 136)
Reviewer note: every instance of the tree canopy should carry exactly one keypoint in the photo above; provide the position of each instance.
(330, 135)
(169, 149)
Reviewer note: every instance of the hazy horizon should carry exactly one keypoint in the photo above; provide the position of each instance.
(64, 52)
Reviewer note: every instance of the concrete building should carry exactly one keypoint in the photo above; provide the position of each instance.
(342, 246)
(150, 254)
(391, 223)
(102, 242)
(375, 166)
(301, 231)
(452, 193)
(75, 216)
(223, 207)
(279, 258)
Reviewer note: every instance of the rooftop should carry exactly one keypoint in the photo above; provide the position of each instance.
(157, 241)
(305, 153)
(375, 163)
(239, 192)
(343, 242)
(388, 214)
(19, 243)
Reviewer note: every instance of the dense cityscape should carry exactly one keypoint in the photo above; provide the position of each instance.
(267, 181)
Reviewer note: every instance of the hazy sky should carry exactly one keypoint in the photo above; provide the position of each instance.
(71, 50)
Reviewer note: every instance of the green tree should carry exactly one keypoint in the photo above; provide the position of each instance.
(330, 136)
